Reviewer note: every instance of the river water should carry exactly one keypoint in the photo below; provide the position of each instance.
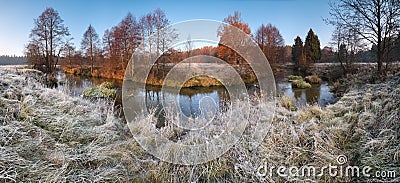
(189, 98)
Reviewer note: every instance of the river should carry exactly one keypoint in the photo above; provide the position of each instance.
(189, 97)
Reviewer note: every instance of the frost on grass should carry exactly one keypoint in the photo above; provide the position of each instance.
(52, 137)
(104, 90)
(373, 114)
(48, 136)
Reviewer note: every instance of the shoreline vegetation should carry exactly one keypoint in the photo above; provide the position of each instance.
(47, 135)
(159, 72)
(50, 136)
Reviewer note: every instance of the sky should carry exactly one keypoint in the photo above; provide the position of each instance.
(292, 17)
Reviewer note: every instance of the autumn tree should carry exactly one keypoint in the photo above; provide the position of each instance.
(270, 41)
(147, 30)
(126, 38)
(298, 53)
(328, 55)
(90, 45)
(69, 52)
(312, 47)
(227, 35)
(107, 40)
(35, 55)
(121, 41)
(286, 54)
(376, 21)
(49, 37)
(163, 35)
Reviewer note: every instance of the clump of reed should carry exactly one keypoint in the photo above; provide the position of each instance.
(313, 79)
(104, 90)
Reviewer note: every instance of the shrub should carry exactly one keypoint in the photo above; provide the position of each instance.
(303, 84)
(202, 81)
(313, 79)
(104, 90)
(293, 78)
(287, 102)
(107, 85)
(295, 82)
(300, 84)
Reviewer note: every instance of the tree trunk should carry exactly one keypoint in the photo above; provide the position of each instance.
(380, 49)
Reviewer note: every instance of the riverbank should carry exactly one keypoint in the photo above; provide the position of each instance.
(159, 72)
(98, 72)
(49, 136)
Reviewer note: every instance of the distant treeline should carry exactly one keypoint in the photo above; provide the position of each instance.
(110, 54)
(13, 60)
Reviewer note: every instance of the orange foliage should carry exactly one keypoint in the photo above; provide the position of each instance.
(224, 52)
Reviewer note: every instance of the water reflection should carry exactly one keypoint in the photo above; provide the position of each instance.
(190, 99)
(319, 94)
(75, 85)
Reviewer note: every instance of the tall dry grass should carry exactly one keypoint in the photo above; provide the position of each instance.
(48, 136)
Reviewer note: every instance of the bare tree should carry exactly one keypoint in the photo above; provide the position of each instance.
(90, 45)
(130, 36)
(107, 42)
(270, 41)
(69, 52)
(376, 21)
(189, 47)
(34, 54)
(48, 40)
(121, 41)
(161, 22)
(147, 24)
(348, 43)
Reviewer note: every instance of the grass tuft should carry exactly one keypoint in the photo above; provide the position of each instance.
(287, 102)
(48, 136)
(300, 84)
(104, 90)
(292, 78)
(313, 79)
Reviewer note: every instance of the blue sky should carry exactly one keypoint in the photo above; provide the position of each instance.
(291, 17)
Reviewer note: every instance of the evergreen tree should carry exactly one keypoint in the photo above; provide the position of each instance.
(297, 52)
(312, 47)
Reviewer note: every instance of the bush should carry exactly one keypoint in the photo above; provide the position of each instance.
(287, 102)
(107, 85)
(104, 90)
(293, 78)
(313, 79)
(300, 84)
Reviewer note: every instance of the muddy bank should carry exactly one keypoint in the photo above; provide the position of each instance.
(46, 135)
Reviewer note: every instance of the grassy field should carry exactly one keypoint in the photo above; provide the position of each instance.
(49, 136)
